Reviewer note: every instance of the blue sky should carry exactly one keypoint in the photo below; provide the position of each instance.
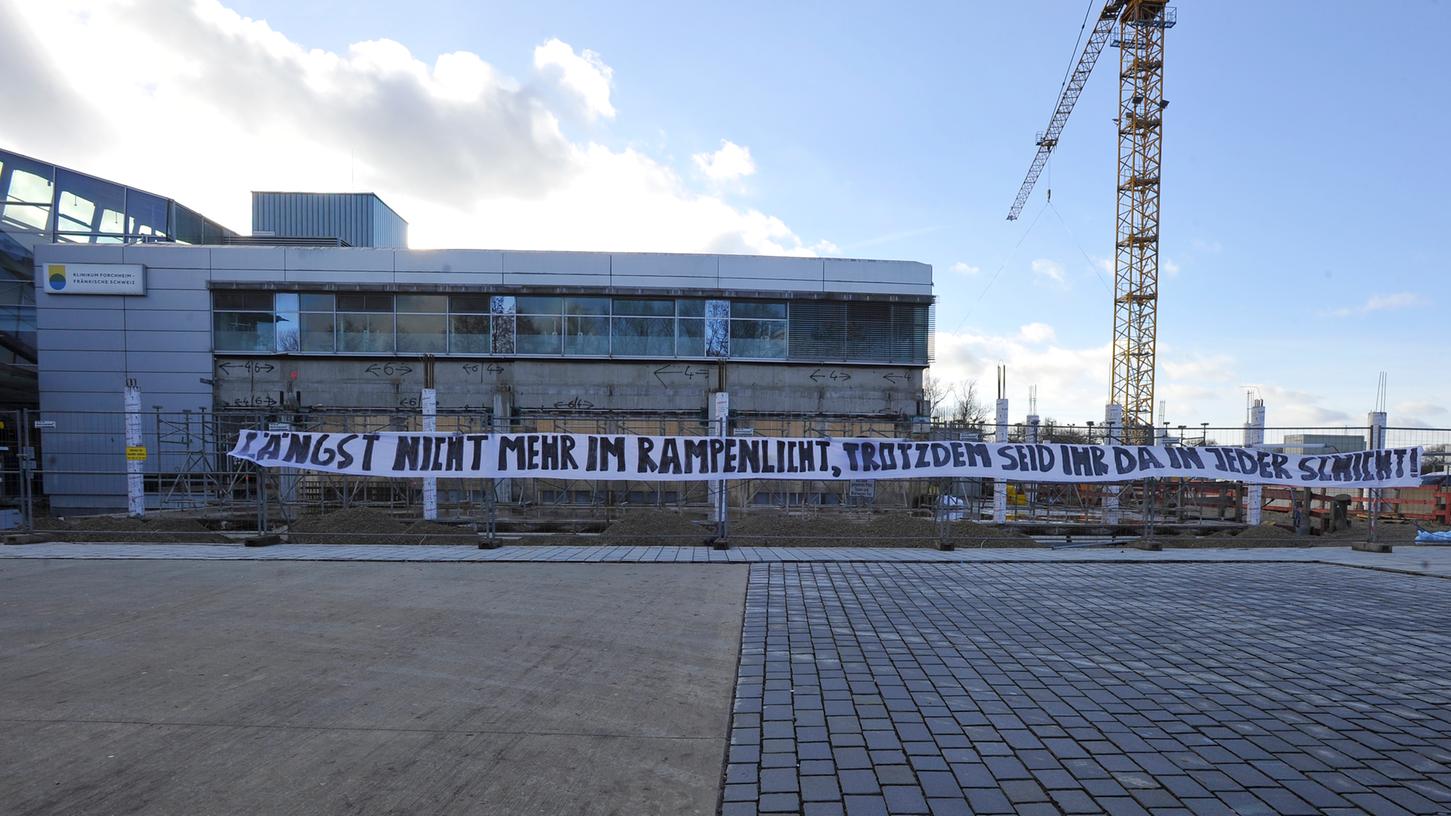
(1305, 217)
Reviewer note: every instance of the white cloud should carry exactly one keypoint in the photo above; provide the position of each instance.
(583, 74)
(1421, 408)
(1217, 368)
(1420, 414)
(1171, 269)
(1398, 300)
(1049, 271)
(1072, 382)
(731, 162)
(1379, 303)
(1293, 408)
(964, 268)
(205, 105)
(1037, 333)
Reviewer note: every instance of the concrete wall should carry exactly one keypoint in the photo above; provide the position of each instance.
(89, 345)
(563, 386)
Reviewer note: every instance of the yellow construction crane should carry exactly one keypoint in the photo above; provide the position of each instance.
(1140, 27)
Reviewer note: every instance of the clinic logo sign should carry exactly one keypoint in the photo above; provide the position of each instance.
(94, 279)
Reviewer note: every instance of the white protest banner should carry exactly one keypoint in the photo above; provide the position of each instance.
(700, 458)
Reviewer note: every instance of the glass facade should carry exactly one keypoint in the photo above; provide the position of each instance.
(41, 203)
(253, 321)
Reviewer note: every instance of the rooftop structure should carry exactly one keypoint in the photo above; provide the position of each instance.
(355, 219)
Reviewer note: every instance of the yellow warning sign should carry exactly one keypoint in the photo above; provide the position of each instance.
(136, 453)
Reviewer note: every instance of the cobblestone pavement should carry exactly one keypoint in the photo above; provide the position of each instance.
(1082, 688)
(1430, 560)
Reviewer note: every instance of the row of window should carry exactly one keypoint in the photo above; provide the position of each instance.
(548, 325)
(72, 207)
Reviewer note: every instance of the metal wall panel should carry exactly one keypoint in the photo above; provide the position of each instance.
(389, 229)
(361, 219)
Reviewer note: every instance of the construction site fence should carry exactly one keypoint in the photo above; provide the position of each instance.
(57, 468)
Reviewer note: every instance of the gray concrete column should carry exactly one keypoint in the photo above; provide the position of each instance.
(135, 452)
(500, 420)
(429, 403)
(1113, 420)
(1000, 486)
(720, 409)
(1254, 437)
(1031, 436)
(1376, 420)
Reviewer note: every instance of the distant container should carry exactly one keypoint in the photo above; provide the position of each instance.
(1303, 444)
(359, 219)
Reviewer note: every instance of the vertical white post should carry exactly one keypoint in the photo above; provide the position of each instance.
(720, 409)
(135, 468)
(503, 410)
(429, 402)
(1377, 440)
(1254, 436)
(1000, 486)
(1030, 435)
(1113, 420)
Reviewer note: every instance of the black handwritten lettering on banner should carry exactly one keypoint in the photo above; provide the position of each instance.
(699, 458)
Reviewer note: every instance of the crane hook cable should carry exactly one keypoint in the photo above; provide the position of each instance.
(1081, 250)
(1011, 254)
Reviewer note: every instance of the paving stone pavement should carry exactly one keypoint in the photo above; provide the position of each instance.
(916, 688)
(1425, 560)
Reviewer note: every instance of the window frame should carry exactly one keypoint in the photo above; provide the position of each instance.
(872, 331)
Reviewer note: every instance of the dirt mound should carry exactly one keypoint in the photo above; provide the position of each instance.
(774, 528)
(173, 529)
(363, 525)
(1270, 534)
(431, 532)
(1265, 535)
(988, 536)
(652, 528)
(355, 525)
(1387, 532)
(176, 524)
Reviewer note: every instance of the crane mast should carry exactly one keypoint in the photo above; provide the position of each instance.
(1141, 25)
(1136, 246)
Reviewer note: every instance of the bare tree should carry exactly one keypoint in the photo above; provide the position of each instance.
(935, 394)
(967, 408)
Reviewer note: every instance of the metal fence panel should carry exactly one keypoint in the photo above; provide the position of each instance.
(81, 467)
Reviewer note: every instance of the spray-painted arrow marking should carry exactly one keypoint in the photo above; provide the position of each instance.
(251, 366)
(688, 372)
(388, 369)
